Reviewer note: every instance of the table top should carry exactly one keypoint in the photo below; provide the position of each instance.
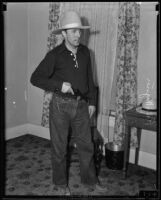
(141, 120)
(139, 113)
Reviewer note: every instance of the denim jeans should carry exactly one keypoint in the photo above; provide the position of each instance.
(63, 114)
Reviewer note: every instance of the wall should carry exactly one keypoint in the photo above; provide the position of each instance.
(147, 49)
(37, 48)
(147, 65)
(16, 63)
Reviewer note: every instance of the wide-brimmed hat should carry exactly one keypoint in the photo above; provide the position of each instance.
(68, 20)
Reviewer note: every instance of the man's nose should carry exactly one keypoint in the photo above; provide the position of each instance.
(78, 33)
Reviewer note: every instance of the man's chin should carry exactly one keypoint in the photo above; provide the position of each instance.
(77, 44)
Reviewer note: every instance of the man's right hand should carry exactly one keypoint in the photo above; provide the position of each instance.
(67, 88)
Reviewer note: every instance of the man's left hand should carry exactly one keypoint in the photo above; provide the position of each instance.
(91, 110)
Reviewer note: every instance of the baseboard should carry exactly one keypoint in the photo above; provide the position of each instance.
(24, 129)
(39, 131)
(145, 159)
(16, 131)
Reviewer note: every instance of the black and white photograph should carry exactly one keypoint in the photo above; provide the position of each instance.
(81, 102)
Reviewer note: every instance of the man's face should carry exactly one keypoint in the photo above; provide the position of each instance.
(72, 37)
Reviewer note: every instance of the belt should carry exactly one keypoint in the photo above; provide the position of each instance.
(69, 95)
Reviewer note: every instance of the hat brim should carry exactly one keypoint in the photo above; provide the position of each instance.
(59, 30)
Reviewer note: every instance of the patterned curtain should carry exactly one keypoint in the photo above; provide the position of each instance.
(52, 41)
(126, 77)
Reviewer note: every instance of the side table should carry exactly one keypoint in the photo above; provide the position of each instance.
(140, 120)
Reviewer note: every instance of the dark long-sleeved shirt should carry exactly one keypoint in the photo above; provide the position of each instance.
(59, 65)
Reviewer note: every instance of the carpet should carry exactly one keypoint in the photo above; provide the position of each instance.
(28, 172)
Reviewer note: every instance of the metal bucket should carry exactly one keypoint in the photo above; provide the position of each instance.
(114, 155)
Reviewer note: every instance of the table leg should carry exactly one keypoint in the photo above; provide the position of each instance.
(138, 148)
(126, 149)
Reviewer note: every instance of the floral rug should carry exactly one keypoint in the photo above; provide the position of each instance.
(28, 172)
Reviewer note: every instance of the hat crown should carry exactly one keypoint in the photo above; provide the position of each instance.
(70, 18)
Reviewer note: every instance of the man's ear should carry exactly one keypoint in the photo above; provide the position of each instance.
(64, 33)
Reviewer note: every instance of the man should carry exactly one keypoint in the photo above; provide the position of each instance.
(66, 71)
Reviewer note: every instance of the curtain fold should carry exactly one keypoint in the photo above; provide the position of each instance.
(52, 41)
(126, 73)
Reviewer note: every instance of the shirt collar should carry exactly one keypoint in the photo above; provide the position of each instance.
(63, 47)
